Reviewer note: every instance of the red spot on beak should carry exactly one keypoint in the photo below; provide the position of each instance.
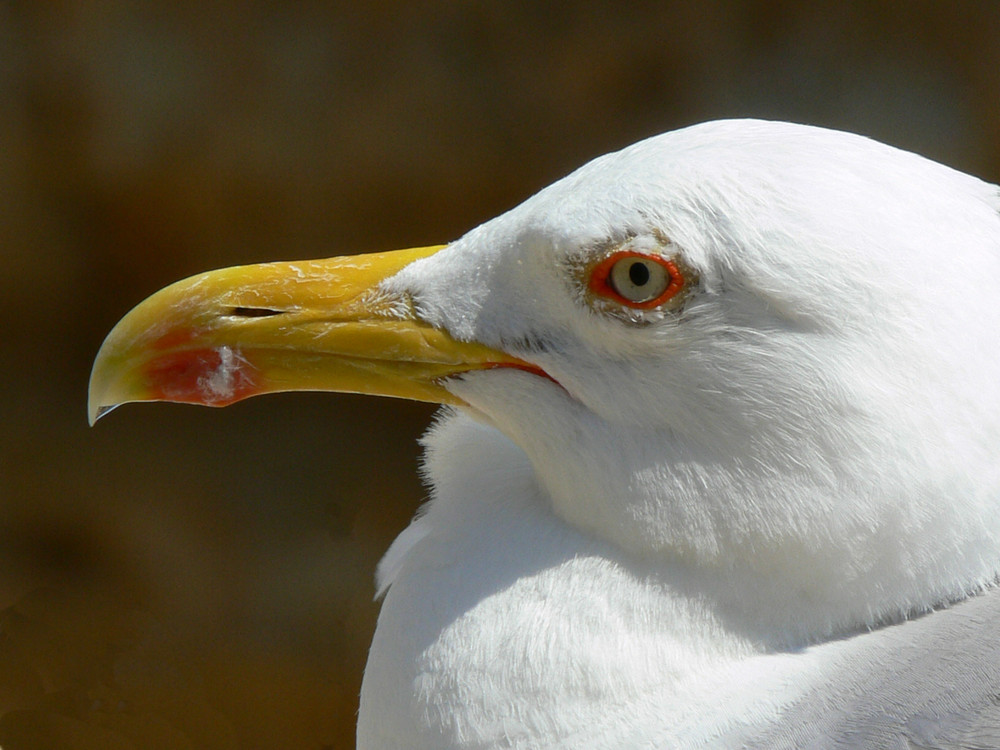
(211, 377)
(175, 339)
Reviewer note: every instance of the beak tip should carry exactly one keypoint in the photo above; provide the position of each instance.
(101, 390)
(95, 412)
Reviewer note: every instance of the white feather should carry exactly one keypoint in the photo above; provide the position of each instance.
(806, 450)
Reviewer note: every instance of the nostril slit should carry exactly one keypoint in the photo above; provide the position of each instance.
(253, 312)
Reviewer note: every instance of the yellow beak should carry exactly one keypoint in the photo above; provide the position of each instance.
(321, 325)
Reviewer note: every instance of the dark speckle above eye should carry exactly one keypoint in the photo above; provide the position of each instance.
(527, 343)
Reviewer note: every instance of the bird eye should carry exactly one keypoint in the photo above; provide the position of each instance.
(636, 280)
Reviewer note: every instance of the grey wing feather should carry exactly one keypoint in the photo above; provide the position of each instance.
(931, 683)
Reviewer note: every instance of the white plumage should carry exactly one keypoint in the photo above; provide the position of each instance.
(662, 551)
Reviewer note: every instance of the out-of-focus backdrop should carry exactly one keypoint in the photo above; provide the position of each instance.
(179, 577)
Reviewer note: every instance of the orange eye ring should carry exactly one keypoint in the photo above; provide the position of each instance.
(601, 282)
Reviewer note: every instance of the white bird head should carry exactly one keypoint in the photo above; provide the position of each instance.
(764, 351)
(819, 402)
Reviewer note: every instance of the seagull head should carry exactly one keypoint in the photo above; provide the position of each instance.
(762, 351)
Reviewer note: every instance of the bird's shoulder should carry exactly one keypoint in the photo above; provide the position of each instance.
(930, 682)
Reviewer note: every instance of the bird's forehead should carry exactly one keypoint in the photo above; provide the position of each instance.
(796, 215)
(676, 185)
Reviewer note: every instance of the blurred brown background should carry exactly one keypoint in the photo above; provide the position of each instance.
(188, 578)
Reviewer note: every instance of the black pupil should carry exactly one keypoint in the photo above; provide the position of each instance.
(638, 274)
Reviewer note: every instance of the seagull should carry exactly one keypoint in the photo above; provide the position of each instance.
(718, 464)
